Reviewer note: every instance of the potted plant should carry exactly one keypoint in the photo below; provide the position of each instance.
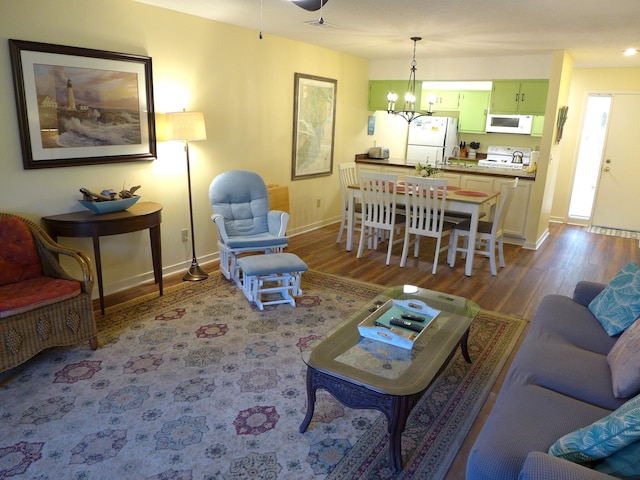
(426, 170)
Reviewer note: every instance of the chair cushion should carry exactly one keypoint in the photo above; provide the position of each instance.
(618, 305)
(19, 259)
(263, 240)
(241, 197)
(483, 227)
(624, 360)
(27, 295)
(259, 265)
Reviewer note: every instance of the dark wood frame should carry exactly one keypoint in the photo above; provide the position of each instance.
(303, 82)
(25, 54)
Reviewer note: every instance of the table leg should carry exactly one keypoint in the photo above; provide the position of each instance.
(350, 219)
(471, 247)
(397, 419)
(156, 255)
(395, 408)
(464, 346)
(311, 400)
(96, 255)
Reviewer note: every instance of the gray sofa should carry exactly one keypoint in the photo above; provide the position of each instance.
(558, 382)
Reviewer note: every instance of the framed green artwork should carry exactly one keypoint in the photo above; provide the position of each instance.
(314, 125)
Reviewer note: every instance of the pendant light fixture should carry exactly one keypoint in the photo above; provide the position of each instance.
(408, 111)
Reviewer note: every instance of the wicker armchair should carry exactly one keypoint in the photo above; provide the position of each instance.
(41, 305)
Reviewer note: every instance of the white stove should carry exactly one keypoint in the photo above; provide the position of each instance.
(513, 158)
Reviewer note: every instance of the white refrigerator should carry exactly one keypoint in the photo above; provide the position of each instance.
(431, 140)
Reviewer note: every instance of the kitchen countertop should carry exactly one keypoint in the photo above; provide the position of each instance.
(460, 165)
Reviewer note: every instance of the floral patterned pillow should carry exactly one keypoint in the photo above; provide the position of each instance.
(603, 437)
(624, 463)
(624, 361)
(618, 305)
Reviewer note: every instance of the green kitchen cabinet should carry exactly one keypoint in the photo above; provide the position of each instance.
(378, 90)
(526, 97)
(378, 94)
(445, 100)
(537, 126)
(474, 105)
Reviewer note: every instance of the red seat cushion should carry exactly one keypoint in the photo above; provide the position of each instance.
(33, 293)
(19, 259)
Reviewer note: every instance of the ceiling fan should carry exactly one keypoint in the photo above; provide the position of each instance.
(321, 21)
(311, 5)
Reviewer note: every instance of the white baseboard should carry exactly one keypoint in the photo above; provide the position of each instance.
(148, 278)
(538, 243)
(312, 226)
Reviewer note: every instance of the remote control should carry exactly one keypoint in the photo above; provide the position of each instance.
(415, 318)
(405, 324)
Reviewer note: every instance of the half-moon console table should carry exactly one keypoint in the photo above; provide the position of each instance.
(141, 216)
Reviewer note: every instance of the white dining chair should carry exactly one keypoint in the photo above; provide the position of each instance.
(379, 219)
(348, 174)
(490, 234)
(425, 201)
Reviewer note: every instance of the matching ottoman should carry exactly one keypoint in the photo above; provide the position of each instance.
(281, 272)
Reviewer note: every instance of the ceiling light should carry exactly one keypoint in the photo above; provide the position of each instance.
(408, 112)
(630, 51)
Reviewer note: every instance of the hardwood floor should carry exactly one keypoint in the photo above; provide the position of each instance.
(569, 255)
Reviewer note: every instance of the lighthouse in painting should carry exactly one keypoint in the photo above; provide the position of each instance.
(72, 102)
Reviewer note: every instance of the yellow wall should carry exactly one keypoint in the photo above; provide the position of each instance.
(244, 87)
(583, 83)
(547, 174)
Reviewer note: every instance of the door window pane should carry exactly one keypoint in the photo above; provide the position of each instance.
(589, 156)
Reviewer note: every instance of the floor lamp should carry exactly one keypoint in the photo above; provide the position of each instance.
(188, 127)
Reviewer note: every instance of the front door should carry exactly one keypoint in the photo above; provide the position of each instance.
(616, 204)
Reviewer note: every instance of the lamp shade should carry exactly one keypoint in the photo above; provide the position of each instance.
(185, 126)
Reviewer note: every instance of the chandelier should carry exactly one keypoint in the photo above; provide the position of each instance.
(408, 112)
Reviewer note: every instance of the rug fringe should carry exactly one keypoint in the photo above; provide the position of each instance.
(612, 232)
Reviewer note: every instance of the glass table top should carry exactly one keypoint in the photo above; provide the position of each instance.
(386, 368)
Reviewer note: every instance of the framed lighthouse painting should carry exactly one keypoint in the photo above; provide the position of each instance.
(78, 106)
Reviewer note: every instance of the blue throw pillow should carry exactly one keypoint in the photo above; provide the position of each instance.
(618, 305)
(622, 464)
(603, 437)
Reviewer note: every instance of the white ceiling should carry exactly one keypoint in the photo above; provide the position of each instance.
(594, 32)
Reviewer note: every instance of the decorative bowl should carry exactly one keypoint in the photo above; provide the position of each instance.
(110, 206)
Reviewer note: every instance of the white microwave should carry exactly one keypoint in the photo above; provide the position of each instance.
(518, 124)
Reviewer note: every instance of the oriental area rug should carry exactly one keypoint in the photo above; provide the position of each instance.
(199, 384)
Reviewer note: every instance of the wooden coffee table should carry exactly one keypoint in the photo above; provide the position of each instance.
(366, 373)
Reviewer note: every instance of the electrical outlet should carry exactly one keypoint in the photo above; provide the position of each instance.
(185, 235)
(318, 203)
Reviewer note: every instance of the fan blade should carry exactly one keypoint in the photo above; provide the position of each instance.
(310, 5)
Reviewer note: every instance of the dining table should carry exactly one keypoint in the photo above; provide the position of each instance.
(471, 201)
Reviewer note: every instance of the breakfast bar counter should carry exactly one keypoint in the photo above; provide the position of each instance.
(454, 165)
